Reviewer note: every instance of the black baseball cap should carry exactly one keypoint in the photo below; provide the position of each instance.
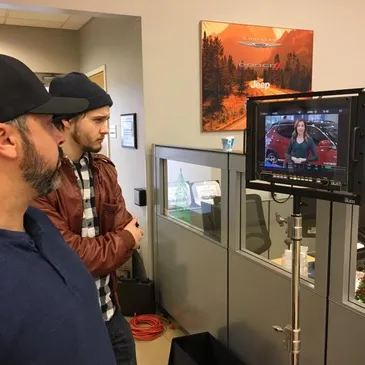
(21, 92)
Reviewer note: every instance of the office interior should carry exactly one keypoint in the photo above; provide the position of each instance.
(217, 263)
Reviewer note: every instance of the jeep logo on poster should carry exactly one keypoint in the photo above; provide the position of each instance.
(259, 85)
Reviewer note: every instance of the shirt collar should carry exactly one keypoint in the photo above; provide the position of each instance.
(32, 227)
(84, 158)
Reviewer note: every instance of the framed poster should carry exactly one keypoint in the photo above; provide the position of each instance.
(129, 130)
(242, 60)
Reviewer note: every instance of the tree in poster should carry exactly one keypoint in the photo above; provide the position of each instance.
(231, 73)
(221, 77)
(294, 76)
(215, 87)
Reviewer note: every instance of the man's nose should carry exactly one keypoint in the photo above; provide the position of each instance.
(59, 138)
(105, 129)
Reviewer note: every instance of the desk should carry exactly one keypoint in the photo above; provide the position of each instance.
(359, 274)
(279, 261)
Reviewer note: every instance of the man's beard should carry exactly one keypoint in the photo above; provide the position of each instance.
(76, 135)
(42, 178)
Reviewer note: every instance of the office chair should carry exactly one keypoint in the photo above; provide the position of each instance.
(211, 214)
(257, 235)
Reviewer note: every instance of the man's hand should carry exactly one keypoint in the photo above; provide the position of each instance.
(136, 232)
(295, 160)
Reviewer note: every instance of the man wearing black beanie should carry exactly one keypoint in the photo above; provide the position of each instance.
(89, 209)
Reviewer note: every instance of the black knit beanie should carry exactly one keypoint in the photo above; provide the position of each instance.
(77, 85)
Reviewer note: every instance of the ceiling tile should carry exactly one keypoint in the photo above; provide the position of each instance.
(56, 17)
(43, 20)
(33, 23)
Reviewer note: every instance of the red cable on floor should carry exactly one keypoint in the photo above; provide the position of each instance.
(147, 327)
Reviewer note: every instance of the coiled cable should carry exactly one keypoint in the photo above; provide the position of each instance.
(147, 327)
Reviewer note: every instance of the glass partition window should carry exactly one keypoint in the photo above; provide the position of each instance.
(266, 230)
(193, 196)
(357, 291)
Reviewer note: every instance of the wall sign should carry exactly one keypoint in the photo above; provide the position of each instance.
(129, 130)
(113, 131)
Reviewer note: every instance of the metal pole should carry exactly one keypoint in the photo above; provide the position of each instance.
(295, 234)
(295, 281)
(292, 331)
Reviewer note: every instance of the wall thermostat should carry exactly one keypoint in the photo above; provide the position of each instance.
(140, 197)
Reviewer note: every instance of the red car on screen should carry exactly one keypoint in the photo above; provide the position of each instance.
(324, 134)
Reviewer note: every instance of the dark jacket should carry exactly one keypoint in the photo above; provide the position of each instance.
(102, 255)
(49, 308)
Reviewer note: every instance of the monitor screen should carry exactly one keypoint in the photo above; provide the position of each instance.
(309, 139)
(305, 139)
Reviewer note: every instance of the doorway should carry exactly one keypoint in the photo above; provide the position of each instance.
(98, 75)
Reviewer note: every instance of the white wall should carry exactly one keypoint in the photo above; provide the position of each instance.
(116, 43)
(43, 50)
(170, 47)
(170, 33)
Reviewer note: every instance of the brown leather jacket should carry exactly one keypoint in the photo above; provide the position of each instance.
(102, 255)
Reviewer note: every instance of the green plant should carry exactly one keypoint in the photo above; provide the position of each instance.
(360, 292)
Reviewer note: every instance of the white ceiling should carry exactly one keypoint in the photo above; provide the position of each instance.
(43, 20)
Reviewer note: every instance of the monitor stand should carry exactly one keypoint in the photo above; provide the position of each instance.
(292, 331)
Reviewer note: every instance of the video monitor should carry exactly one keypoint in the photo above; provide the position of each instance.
(302, 140)
(307, 141)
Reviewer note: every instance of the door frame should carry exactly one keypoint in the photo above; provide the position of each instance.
(97, 70)
(93, 72)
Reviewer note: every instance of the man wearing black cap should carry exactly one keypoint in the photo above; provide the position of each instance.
(49, 312)
(89, 209)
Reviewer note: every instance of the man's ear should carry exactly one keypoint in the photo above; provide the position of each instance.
(66, 123)
(8, 141)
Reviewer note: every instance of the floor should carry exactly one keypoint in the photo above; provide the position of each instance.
(156, 352)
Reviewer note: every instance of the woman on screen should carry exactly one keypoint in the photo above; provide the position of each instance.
(302, 148)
